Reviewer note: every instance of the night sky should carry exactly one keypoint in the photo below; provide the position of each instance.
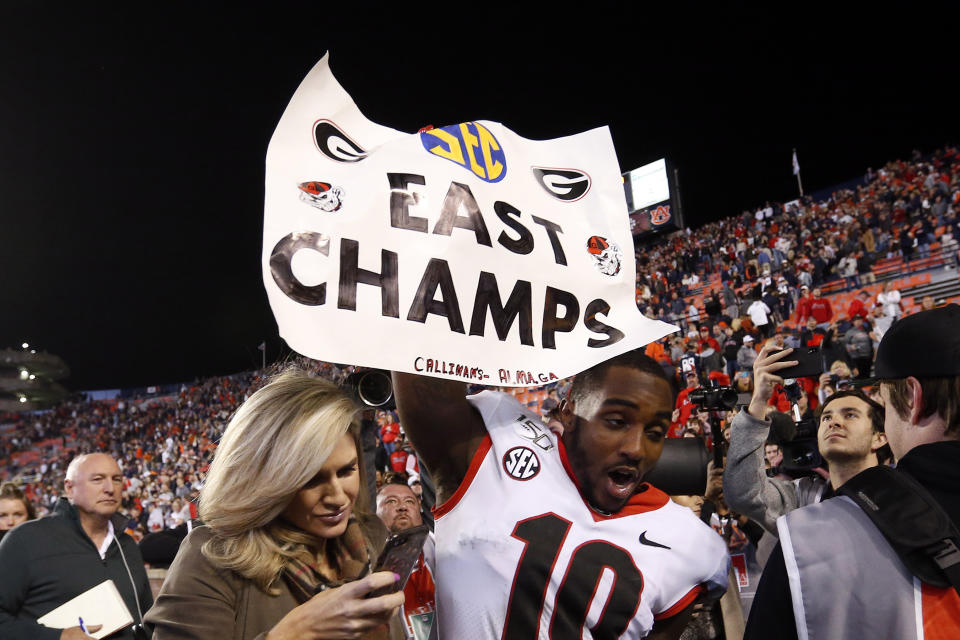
(132, 142)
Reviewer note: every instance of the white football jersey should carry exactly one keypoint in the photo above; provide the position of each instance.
(521, 556)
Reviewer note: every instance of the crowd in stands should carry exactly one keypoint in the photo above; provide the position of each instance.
(798, 275)
(165, 443)
(903, 212)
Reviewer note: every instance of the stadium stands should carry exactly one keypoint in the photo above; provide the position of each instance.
(892, 224)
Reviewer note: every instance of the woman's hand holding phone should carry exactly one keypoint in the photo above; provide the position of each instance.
(343, 613)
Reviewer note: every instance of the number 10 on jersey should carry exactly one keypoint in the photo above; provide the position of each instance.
(543, 537)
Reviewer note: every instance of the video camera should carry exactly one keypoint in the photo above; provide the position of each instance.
(801, 453)
(714, 398)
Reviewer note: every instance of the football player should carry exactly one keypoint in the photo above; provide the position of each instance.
(540, 535)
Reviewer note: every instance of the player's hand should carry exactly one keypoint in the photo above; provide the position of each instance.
(342, 613)
(76, 633)
(765, 377)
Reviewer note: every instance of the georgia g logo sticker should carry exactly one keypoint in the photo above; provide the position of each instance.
(335, 144)
(566, 185)
(521, 463)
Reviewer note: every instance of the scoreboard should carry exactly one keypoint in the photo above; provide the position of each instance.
(653, 199)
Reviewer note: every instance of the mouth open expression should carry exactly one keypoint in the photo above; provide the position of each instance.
(617, 436)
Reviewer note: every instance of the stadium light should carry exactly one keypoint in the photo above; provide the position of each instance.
(23, 374)
(23, 398)
(25, 345)
(33, 377)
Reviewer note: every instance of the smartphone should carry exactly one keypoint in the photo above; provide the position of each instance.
(399, 555)
(809, 363)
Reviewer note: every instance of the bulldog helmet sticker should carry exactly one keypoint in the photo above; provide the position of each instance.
(606, 255)
(321, 195)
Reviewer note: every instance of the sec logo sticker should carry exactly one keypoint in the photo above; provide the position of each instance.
(521, 463)
(470, 145)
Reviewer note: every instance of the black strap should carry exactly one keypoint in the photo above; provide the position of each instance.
(912, 521)
(947, 558)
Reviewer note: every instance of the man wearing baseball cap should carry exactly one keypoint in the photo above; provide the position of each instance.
(746, 355)
(842, 570)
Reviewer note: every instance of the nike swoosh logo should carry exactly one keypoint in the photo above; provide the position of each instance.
(651, 543)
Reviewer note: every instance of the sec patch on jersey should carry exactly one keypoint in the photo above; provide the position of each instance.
(521, 463)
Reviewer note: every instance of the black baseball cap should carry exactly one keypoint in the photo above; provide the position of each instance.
(922, 345)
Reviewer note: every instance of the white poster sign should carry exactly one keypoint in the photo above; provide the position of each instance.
(464, 252)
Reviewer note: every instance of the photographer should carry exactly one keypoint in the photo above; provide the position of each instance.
(849, 435)
(876, 562)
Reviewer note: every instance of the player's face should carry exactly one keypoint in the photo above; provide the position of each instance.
(616, 437)
(846, 432)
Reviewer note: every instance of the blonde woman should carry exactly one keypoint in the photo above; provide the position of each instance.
(284, 520)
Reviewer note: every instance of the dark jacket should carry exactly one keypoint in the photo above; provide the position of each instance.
(48, 562)
(934, 466)
(199, 600)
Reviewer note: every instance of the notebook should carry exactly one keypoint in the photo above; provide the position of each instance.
(100, 605)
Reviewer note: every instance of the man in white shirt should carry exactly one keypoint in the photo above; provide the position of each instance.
(759, 314)
(889, 300)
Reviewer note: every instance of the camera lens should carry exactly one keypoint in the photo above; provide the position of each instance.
(728, 397)
(374, 388)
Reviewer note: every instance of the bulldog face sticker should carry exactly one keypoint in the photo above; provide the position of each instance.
(321, 195)
(605, 254)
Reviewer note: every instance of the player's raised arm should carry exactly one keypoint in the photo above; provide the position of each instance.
(443, 427)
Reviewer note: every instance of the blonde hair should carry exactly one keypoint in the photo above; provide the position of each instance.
(276, 442)
(840, 363)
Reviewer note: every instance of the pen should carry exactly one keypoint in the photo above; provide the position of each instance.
(83, 627)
